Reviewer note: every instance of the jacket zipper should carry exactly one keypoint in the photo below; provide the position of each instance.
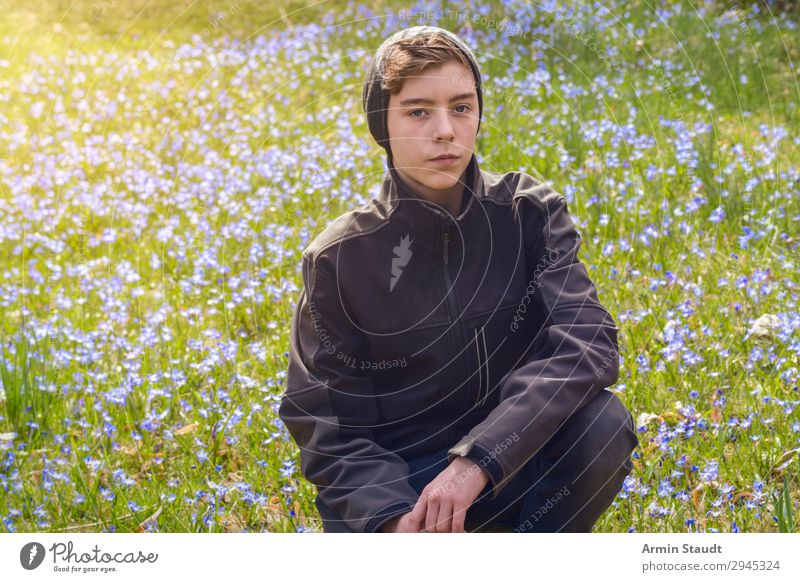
(448, 284)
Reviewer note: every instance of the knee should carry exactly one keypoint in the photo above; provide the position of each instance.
(607, 436)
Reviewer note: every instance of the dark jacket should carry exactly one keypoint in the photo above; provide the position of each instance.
(417, 332)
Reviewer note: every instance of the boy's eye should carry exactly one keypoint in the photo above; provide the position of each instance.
(411, 113)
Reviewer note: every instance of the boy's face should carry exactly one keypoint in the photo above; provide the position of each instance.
(435, 113)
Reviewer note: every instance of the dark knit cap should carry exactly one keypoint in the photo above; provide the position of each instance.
(376, 99)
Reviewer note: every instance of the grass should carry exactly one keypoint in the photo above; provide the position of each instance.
(164, 164)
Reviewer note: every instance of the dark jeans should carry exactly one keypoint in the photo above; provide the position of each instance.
(565, 487)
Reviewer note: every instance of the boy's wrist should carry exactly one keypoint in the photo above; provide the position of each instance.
(391, 525)
(472, 468)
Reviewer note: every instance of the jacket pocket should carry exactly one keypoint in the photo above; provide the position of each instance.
(483, 366)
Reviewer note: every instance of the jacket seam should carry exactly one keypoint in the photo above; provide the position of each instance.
(497, 202)
(383, 224)
(557, 198)
(319, 385)
(316, 386)
(313, 281)
(502, 307)
(320, 275)
(577, 304)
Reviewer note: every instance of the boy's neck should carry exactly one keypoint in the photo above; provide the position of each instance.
(450, 199)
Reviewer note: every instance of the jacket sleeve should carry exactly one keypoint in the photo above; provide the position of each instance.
(329, 406)
(574, 356)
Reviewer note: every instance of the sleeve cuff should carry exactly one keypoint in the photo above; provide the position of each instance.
(474, 451)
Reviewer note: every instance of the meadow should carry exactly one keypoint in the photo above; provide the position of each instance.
(164, 164)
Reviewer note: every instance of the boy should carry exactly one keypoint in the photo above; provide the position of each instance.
(449, 355)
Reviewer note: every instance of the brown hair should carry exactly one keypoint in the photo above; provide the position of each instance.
(407, 58)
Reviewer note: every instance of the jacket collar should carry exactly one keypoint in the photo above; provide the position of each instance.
(425, 221)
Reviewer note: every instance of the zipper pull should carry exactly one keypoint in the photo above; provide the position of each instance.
(446, 238)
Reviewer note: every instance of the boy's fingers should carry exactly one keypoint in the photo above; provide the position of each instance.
(444, 522)
(459, 515)
(418, 513)
(431, 517)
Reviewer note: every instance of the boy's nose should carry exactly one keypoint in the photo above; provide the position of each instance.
(443, 129)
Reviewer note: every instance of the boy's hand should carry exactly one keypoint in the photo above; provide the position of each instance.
(406, 523)
(442, 505)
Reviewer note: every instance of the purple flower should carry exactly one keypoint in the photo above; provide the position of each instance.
(717, 215)
(710, 471)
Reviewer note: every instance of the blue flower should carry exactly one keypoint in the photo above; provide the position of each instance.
(744, 239)
(710, 471)
(665, 488)
(288, 469)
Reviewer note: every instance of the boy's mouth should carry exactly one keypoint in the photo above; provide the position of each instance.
(445, 160)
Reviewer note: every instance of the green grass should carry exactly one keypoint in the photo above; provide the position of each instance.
(180, 357)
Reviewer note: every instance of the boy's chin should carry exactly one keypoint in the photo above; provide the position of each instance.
(440, 181)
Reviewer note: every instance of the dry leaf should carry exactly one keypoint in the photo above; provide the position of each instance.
(132, 448)
(187, 429)
(646, 418)
(670, 416)
(152, 518)
(696, 497)
(784, 461)
(698, 491)
(231, 522)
